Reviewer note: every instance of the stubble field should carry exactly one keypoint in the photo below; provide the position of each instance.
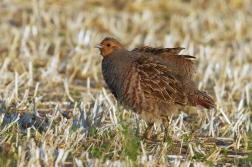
(57, 111)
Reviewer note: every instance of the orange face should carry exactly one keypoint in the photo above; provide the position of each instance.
(108, 46)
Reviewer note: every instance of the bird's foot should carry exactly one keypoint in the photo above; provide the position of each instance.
(148, 132)
(166, 137)
(160, 137)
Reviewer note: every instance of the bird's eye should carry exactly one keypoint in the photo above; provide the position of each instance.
(108, 45)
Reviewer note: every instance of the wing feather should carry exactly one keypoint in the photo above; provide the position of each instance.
(158, 81)
(179, 64)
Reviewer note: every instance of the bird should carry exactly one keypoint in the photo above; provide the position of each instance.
(152, 82)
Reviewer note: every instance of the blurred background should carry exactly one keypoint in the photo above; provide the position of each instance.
(36, 31)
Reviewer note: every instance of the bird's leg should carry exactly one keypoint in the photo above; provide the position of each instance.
(166, 126)
(148, 131)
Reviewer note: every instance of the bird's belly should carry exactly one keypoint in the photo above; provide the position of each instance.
(149, 117)
(154, 111)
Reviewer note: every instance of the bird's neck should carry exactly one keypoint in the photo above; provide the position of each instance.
(114, 67)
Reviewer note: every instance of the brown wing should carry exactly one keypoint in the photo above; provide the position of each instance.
(159, 74)
(158, 82)
(181, 65)
(168, 76)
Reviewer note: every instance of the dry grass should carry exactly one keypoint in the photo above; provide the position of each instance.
(56, 110)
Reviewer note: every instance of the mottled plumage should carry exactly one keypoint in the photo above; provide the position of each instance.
(153, 82)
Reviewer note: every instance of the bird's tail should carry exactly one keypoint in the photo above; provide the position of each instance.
(205, 100)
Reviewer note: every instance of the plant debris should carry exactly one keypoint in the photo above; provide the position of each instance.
(57, 111)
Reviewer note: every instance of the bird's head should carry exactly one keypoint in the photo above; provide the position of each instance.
(108, 45)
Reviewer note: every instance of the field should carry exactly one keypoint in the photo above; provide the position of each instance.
(56, 109)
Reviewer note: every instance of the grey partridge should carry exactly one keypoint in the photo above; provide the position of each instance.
(153, 82)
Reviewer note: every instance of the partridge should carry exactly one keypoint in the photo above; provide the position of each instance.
(153, 82)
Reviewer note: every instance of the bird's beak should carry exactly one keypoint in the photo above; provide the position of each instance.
(98, 46)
